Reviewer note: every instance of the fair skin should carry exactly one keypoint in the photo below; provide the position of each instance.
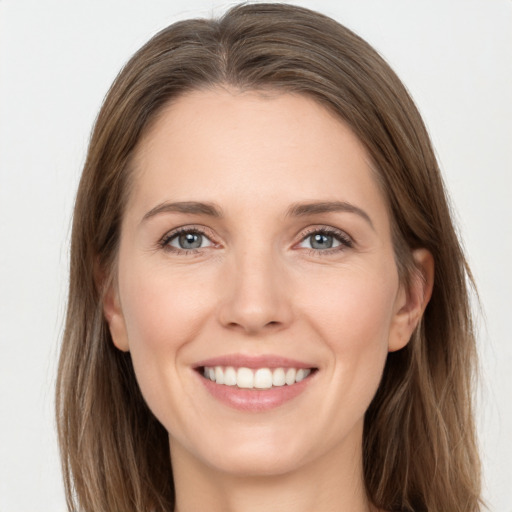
(253, 279)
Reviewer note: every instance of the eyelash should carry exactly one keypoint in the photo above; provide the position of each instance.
(168, 237)
(345, 241)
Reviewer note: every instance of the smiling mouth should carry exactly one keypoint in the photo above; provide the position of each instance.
(255, 378)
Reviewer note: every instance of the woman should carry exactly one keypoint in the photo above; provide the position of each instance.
(268, 304)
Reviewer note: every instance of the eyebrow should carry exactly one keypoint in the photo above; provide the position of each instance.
(295, 210)
(191, 207)
(304, 209)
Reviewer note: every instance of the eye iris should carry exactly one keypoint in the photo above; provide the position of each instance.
(321, 241)
(190, 240)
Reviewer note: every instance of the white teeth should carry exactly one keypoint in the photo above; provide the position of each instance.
(230, 376)
(261, 378)
(245, 378)
(219, 375)
(278, 377)
(300, 375)
(290, 376)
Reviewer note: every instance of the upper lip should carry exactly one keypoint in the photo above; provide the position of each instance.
(259, 361)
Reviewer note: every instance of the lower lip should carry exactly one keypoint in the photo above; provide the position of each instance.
(256, 400)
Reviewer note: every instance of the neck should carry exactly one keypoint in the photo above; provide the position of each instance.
(331, 484)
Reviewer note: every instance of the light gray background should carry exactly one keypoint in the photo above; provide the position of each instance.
(57, 59)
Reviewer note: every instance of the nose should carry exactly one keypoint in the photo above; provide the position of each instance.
(255, 296)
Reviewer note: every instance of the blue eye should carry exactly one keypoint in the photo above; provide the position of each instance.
(322, 240)
(187, 240)
(319, 240)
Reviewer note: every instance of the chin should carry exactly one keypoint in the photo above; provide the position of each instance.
(257, 463)
(257, 451)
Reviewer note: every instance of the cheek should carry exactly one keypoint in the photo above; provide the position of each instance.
(163, 313)
(353, 320)
(356, 309)
(162, 310)
(354, 317)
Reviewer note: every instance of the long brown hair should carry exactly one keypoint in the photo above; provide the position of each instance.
(419, 437)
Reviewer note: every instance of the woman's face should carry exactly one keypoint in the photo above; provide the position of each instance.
(256, 243)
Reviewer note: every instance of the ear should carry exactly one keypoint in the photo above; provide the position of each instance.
(114, 315)
(412, 300)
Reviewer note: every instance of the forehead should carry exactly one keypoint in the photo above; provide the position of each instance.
(251, 148)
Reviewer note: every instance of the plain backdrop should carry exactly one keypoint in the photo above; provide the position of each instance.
(57, 60)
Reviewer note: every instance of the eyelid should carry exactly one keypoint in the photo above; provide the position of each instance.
(346, 241)
(163, 242)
